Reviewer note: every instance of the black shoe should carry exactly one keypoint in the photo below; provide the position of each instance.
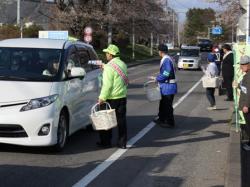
(121, 146)
(166, 125)
(157, 121)
(103, 145)
(228, 99)
(246, 146)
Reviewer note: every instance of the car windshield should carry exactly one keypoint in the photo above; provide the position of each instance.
(205, 42)
(29, 64)
(190, 52)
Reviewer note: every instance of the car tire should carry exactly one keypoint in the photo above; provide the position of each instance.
(62, 132)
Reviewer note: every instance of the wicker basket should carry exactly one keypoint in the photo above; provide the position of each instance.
(103, 119)
(152, 90)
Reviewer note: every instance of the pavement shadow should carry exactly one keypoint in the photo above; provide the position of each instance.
(135, 86)
(65, 176)
(84, 141)
(68, 167)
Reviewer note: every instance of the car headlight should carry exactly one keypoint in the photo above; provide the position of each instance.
(39, 103)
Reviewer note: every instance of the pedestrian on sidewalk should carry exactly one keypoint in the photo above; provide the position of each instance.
(211, 71)
(114, 91)
(168, 87)
(228, 71)
(244, 102)
(216, 52)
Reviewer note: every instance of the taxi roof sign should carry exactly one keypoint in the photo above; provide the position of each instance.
(59, 35)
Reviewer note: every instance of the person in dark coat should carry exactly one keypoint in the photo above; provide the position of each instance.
(244, 103)
(228, 71)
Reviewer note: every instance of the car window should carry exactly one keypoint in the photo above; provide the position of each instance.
(190, 52)
(86, 54)
(84, 58)
(28, 63)
(205, 41)
(72, 59)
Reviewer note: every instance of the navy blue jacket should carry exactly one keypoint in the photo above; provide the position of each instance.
(166, 78)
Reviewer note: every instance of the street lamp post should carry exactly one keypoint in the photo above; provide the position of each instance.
(18, 12)
(173, 29)
(133, 38)
(109, 24)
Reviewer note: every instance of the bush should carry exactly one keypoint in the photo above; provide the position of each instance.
(12, 31)
(121, 39)
(99, 39)
(9, 31)
(31, 31)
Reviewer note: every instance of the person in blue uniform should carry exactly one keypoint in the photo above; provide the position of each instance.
(167, 82)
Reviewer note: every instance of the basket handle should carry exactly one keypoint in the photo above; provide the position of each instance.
(93, 109)
(149, 82)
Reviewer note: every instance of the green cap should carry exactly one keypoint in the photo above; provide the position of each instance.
(112, 49)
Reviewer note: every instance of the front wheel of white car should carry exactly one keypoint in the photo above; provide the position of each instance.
(62, 132)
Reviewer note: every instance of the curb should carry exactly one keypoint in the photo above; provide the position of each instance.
(233, 172)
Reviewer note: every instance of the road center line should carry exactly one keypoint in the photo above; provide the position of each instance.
(116, 155)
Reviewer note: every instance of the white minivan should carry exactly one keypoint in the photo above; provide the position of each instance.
(189, 58)
(47, 90)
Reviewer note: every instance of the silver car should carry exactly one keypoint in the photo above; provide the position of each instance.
(189, 58)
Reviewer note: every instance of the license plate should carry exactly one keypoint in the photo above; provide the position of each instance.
(185, 66)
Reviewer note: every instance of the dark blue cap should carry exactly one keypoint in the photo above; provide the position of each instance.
(163, 48)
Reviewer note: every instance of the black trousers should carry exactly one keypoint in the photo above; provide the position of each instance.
(228, 85)
(229, 92)
(246, 127)
(166, 111)
(210, 96)
(120, 109)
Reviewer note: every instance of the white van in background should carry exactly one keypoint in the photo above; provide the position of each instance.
(47, 90)
(189, 58)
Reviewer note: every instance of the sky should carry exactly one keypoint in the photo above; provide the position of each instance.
(182, 6)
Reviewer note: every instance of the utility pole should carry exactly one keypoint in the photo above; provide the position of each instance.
(232, 33)
(18, 13)
(109, 24)
(152, 43)
(178, 31)
(133, 38)
(18, 19)
(208, 33)
(173, 29)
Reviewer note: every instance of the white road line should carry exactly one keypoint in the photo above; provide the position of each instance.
(116, 155)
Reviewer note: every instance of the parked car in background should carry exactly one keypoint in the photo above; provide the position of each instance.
(47, 90)
(170, 45)
(205, 44)
(189, 58)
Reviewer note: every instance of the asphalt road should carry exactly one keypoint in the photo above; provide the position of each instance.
(192, 154)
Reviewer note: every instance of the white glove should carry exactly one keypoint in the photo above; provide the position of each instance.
(152, 78)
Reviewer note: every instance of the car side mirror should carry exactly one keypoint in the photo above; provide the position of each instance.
(77, 72)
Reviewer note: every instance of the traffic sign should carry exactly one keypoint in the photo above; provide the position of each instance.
(217, 30)
(88, 38)
(88, 30)
(60, 35)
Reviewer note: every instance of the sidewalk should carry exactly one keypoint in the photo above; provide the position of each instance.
(233, 173)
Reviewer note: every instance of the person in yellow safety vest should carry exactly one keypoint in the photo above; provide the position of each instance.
(71, 38)
(114, 91)
(237, 79)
